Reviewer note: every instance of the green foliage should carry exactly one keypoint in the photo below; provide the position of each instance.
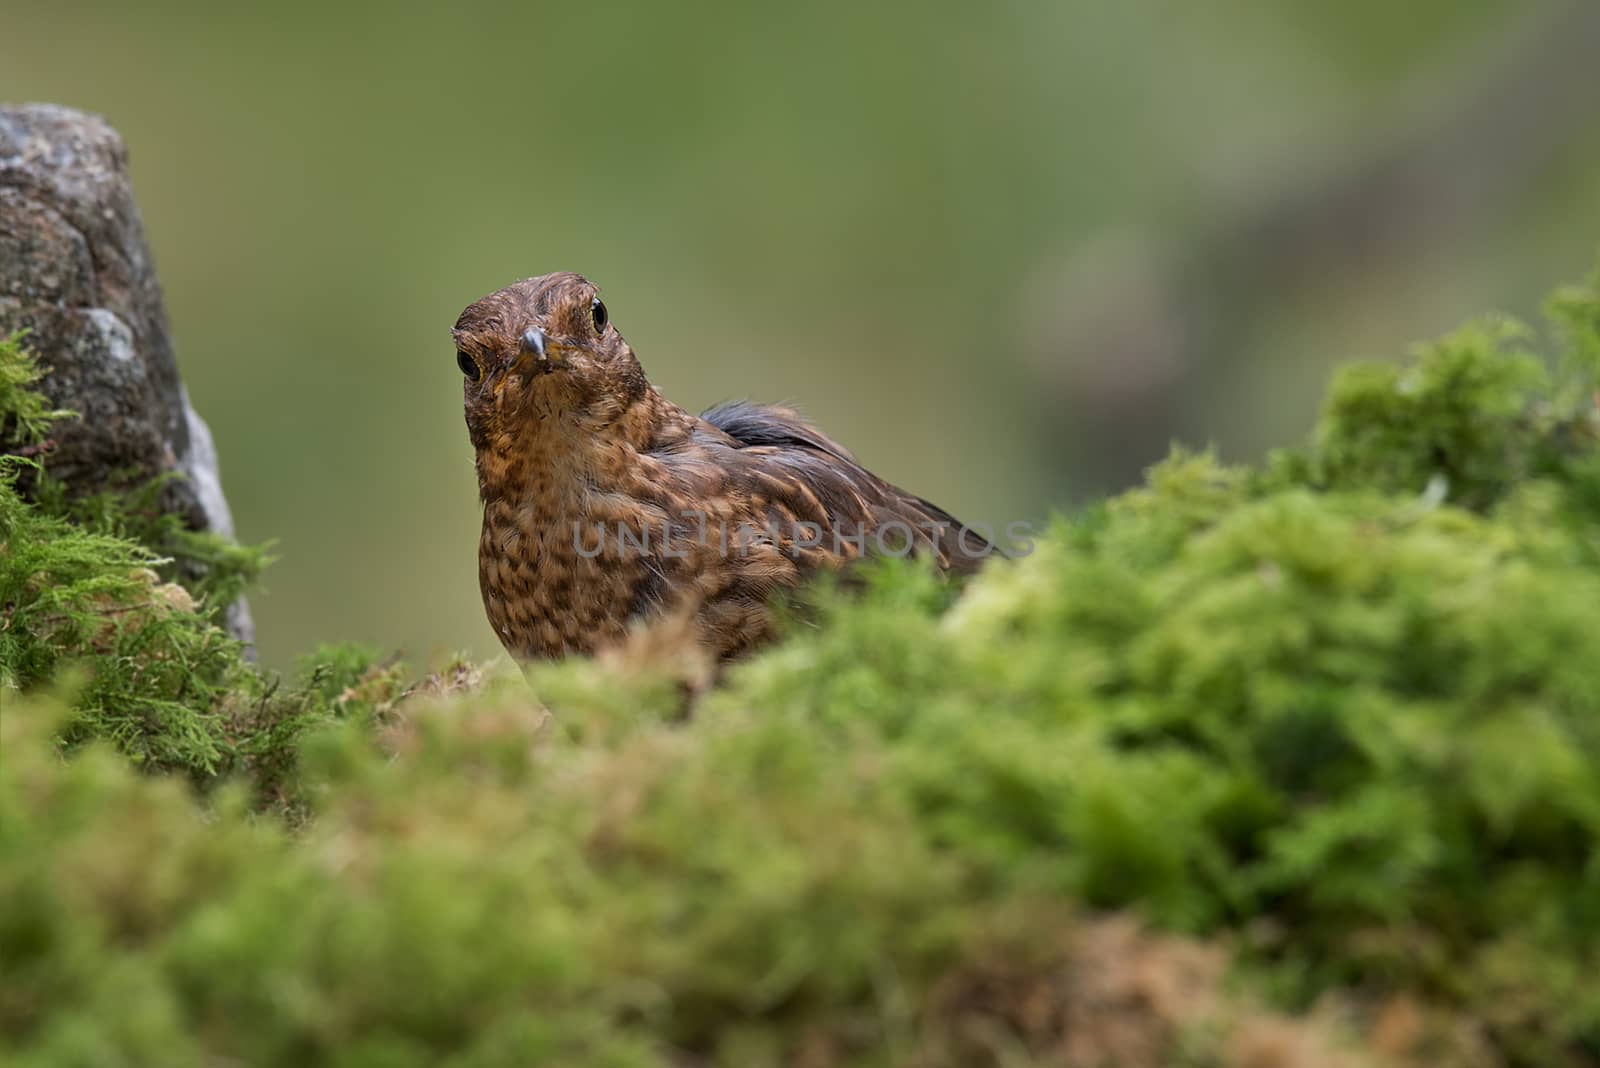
(481, 890)
(1452, 414)
(215, 569)
(1576, 313)
(25, 414)
(115, 600)
(1336, 720)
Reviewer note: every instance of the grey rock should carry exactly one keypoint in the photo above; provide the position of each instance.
(75, 272)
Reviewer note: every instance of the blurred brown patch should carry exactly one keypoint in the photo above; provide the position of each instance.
(670, 647)
(1110, 992)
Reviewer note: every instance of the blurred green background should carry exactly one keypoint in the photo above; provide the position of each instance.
(1006, 252)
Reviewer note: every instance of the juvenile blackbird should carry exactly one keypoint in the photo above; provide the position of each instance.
(606, 505)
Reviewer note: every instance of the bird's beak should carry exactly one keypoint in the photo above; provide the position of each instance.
(538, 354)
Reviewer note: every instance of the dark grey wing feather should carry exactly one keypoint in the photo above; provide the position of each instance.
(782, 445)
(771, 424)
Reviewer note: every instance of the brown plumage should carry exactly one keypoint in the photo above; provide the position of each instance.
(606, 505)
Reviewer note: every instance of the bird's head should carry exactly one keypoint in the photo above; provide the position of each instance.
(542, 351)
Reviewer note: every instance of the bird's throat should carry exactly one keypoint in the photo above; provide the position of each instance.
(555, 461)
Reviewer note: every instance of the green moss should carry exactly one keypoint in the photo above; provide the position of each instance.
(216, 570)
(1333, 721)
(116, 601)
(25, 414)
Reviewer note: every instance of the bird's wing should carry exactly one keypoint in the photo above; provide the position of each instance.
(784, 458)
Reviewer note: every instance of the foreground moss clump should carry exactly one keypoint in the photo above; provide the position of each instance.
(1331, 724)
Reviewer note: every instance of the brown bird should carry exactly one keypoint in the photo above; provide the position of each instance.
(605, 505)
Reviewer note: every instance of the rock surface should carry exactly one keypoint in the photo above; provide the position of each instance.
(75, 272)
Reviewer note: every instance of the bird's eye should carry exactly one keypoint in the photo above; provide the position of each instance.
(598, 311)
(468, 365)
